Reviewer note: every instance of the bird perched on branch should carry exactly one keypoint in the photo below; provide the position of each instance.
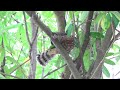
(65, 41)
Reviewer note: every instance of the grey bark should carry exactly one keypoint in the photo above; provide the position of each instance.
(101, 52)
(61, 22)
(33, 51)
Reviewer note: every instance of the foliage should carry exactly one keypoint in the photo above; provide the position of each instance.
(16, 47)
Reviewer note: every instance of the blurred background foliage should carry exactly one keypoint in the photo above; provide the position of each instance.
(16, 47)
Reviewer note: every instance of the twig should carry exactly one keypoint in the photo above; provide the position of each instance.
(42, 73)
(117, 30)
(56, 69)
(20, 65)
(15, 19)
(53, 71)
(117, 73)
(9, 75)
(26, 28)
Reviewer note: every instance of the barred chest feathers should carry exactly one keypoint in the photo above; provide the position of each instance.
(66, 42)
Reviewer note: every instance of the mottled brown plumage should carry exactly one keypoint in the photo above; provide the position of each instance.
(65, 41)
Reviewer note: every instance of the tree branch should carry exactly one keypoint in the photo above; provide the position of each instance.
(57, 45)
(97, 69)
(19, 66)
(85, 43)
(53, 71)
(33, 49)
(26, 29)
(61, 22)
(9, 75)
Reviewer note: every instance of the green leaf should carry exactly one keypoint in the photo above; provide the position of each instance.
(71, 14)
(96, 35)
(117, 58)
(110, 62)
(86, 59)
(81, 38)
(75, 52)
(47, 14)
(83, 16)
(115, 20)
(2, 54)
(19, 73)
(116, 46)
(11, 26)
(94, 51)
(70, 29)
(76, 42)
(105, 22)
(99, 18)
(109, 54)
(12, 68)
(59, 61)
(117, 14)
(77, 13)
(2, 77)
(105, 71)
(11, 59)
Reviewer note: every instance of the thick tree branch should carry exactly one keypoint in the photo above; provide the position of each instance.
(97, 69)
(61, 22)
(57, 45)
(33, 49)
(86, 41)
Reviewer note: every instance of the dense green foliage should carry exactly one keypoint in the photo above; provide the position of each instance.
(15, 47)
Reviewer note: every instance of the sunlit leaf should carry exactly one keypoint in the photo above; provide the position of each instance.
(12, 69)
(105, 22)
(86, 60)
(106, 71)
(70, 29)
(75, 52)
(71, 14)
(11, 59)
(99, 17)
(110, 62)
(83, 16)
(11, 27)
(19, 73)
